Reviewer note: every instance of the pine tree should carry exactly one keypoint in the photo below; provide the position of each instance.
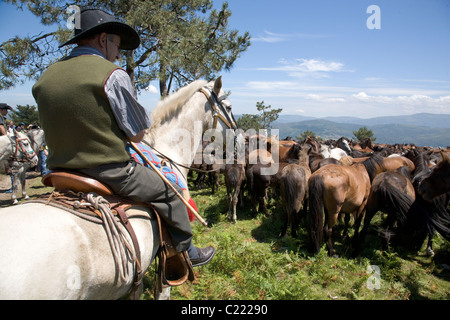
(181, 41)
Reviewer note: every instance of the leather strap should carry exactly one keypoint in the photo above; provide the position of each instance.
(138, 272)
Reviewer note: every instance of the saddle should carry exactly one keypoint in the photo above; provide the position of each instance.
(173, 269)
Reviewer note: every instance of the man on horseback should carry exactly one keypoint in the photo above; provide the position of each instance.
(88, 110)
(4, 108)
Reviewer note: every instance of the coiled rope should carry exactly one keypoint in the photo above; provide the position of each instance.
(122, 249)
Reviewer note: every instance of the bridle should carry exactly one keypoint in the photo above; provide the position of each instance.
(26, 156)
(219, 111)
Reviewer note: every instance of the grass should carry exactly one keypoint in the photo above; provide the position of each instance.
(253, 263)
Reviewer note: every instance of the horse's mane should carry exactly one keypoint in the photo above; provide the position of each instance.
(166, 108)
(372, 164)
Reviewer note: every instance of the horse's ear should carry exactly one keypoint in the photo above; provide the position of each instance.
(217, 85)
(445, 156)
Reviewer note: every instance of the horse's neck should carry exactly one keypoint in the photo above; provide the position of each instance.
(421, 164)
(180, 137)
(304, 158)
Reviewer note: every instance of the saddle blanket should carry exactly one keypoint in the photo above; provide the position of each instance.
(167, 171)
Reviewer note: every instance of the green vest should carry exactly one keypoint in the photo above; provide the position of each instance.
(80, 128)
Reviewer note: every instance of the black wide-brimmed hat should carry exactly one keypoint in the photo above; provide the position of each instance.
(5, 106)
(94, 21)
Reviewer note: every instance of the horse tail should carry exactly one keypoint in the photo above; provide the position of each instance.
(395, 201)
(289, 187)
(233, 177)
(424, 218)
(440, 217)
(249, 176)
(316, 190)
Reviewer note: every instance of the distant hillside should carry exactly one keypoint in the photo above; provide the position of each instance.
(421, 129)
(419, 119)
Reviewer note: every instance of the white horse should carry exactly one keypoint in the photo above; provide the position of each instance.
(17, 156)
(49, 253)
(330, 152)
(37, 138)
(340, 148)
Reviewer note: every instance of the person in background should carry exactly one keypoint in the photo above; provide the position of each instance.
(42, 156)
(4, 108)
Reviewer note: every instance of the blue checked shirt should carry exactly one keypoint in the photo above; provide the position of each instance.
(130, 115)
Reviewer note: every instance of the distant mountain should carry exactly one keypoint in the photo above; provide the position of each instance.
(422, 129)
(286, 118)
(419, 119)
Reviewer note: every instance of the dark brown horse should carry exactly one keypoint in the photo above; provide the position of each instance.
(317, 160)
(293, 181)
(234, 178)
(425, 217)
(437, 182)
(338, 189)
(393, 193)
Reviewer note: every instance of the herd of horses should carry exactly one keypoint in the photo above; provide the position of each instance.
(74, 259)
(320, 183)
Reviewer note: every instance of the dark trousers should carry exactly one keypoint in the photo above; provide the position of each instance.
(139, 183)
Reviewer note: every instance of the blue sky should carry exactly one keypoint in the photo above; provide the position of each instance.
(319, 58)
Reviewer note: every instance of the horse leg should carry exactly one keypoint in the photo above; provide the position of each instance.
(346, 224)
(262, 204)
(429, 251)
(390, 221)
(15, 188)
(230, 203)
(371, 209)
(23, 181)
(235, 201)
(355, 239)
(330, 221)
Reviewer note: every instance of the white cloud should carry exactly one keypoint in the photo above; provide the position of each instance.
(151, 89)
(314, 65)
(301, 68)
(272, 37)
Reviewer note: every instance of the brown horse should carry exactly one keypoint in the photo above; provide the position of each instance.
(293, 181)
(335, 189)
(437, 182)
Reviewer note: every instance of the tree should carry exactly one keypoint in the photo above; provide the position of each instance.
(181, 40)
(305, 134)
(26, 114)
(363, 133)
(267, 115)
(249, 121)
(263, 120)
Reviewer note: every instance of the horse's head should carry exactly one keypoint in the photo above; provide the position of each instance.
(437, 181)
(222, 118)
(22, 150)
